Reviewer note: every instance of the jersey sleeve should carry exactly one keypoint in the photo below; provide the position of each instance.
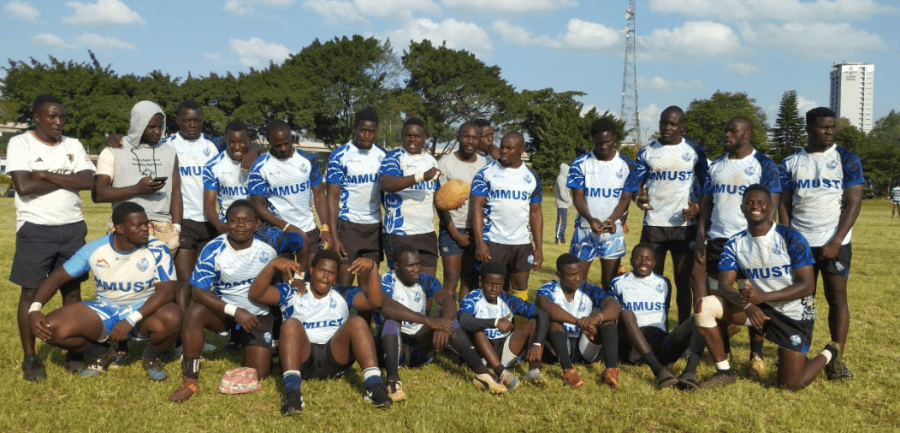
(638, 175)
(853, 171)
(387, 283)
(429, 284)
(468, 303)
(479, 185)
(210, 181)
(335, 171)
(205, 273)
(538, 194)
(17, 155)
(79, 264)
(786, 178)
(770, 176)
(257, 183)
(575, 180)
(798, 248)
(547, 291)
(285, 293)
(390, 165)
(165, 266)
(106, 164)
(315, 175)
(517, 305)
(219, 142)
(728, 258)
(701, 167)
(596, 293)
(349, 293)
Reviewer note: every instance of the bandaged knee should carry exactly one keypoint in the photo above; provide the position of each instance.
(710, 310)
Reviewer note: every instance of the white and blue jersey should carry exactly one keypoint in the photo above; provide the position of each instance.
(817, 182)
(411, 210)
(476, 304)
(192, 156)
(224, 176)
(587, 297)
(322, 317)
(895, 194)
(414, 297)
(123, 277)
(647, 297)
(509, 193)
(229, 272)
(602, 182)
(287, 185)
(768, 263)
(357, 171)
(728, 178)
(672, 175)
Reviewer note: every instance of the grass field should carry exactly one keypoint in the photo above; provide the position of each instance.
(441, 396)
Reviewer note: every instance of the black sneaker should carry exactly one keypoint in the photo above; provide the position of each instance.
(687, 382)
(837, 370)
(666, 379)
(33, 370)
(293, 403)
(378, 396)
(98, 364)
(717, 380)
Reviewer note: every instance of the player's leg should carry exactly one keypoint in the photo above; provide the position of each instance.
(184, 265)
(838, 322)
(258, 350)
(468, 277)
(712, 310)
(32, 368)
(462, 345)
(452, 270)
(353, 341)
(162, 328)
(795, 371)
(518, 284)
(74, 327)
(294, 349)
(559, 342)
(197, 319)
(637, 340)
(520, 341)
(391, 346)
(609, 268)
(682, 267)
(428, 252)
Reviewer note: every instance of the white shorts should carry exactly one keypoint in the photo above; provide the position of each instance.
(587, 245)
(111, 314)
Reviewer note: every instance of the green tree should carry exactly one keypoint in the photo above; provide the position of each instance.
(880, 151)
(705, 119)
(789, 133)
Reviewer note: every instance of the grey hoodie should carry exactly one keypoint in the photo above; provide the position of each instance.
(563, 196)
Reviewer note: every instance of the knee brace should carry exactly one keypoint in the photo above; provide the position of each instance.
(710, 310)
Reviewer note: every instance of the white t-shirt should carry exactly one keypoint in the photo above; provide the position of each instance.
(192, 156)
(728, 178)
(414, 297)
(229, 272)
(672, 175)
(602, 182)
(586, 298)
(320, 317)
(287, 185)
(647, 298)
(224, 176)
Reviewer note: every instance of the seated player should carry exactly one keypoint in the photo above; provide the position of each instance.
(319, 338)
(220, 284)
(405, 328)
(643, 324)
(576, 335)
(135, 296)
(487, 314)
(777, 298)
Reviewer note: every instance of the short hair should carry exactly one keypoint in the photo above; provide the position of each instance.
(513, 134)
(189, 104)
(366, 114)
(465, 125)
(122, 210)
(817, 113)
(413, 121)
(327, 255)
(236, 126)
(481, 123)
(642, 245)
(492, 268)
(46, 98)
(604, 124)
(565, 260)
(672, 109)
(276, 125)
(757, 187)
(239, 204)
(403, 249)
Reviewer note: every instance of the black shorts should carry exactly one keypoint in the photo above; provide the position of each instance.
(321, 365)
(678, 240)
(654, 337)
(714, 249)
(195, 234)
(360, 240)
(449, 247)
(40, 249)
(787, 333)
(425, 243)
(410, 353)
(314, 237)
(516, 258)
(260, 336)
(839, 265)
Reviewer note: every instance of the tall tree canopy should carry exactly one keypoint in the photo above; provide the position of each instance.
(705, 119)
(789, 133)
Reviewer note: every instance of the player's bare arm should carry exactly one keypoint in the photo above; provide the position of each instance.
(536, 221)
(391, 183)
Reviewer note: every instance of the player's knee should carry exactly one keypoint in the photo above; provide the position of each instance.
(628, 317)
(357, 323)
(709, 310)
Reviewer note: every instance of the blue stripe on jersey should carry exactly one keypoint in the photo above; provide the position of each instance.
(509, 194)
(602, 181)
(409, 211)
(673, 175)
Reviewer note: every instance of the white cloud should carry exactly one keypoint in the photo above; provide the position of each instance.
(804, 105)
(102, 13)
(51, 40)
(335, 11)
(507, 7)
(661, 84)
(247, 7)
(356, 11)
(782, 10)
(100, 42)
(457, 34)
(743, 68)
(256, 52)
(22, 10)
(212, 57)
(580, 36)
(815, 40)
(650, 118)
(693, 40)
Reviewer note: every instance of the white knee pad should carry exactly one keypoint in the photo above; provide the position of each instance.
(507, 358)
(710, 310)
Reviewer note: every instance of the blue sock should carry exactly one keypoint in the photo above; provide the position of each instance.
(292, 380)
(372, 377)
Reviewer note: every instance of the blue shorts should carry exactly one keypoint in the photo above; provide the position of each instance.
(281, 241)
(111, 314)
(449, 247)
(587, 245)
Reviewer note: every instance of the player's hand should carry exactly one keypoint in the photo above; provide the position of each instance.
(432, 173)
(751, 294)
(287, 267)
(690, 212)
(642, 201)
(608, 226)
(700, 253)
(625, 228)
(461, 239)
(535, 353)
(245, 319)
(338, 247)
(538, 259)
(247, 160)
(120, 331)
(505, 324)
(589, 324)
(39, 325)
(596, 225)
(114, 140)
(830, 250)
(439, 339)
(482, 252)
(756, 316)
(440, 324)
(327, 238)
(147, 186)
(361, 265)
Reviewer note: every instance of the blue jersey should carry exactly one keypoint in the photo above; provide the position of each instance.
(192, 156)
(728, 178)
(647, 298)
(587, 297)
(287, 185)
(224, 176)
(229, 272)
(476, 304)
(357, 171)
(409, 211)
(321, 317)
(602, 182)
(509, 193)
(414, 297)
(672, 175)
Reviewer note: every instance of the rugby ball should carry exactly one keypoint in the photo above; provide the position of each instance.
(452, 195)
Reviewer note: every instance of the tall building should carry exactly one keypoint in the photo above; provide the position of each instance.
(851, 93)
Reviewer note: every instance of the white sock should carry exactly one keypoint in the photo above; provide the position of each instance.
(723, 365)
(371, 372)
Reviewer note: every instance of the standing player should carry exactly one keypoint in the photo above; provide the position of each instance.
(409, 180)
(506, 201)
(672, 169)
(576, 333)
(599, 182)
(354, 194)
(486, 146)
(135, 288)
(895, 199)
(487, 314)
(224, 179)
(823, 189)
(47, 169)
(563, 203)
(319, 338)
(456, 237)
(221, 285)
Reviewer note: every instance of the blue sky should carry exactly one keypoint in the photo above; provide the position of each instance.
(686, 49)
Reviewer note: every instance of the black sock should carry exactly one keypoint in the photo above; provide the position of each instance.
(96, 349)
(190, 367)
(697, 346)
(150, 352)
(74, 356)
(653, 363)
(535, 365)
(460, 343)
(755, 345)
(609, 335)
(498, 370)
(559, 342)
(390, 344)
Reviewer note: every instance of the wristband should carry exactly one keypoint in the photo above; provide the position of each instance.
(746, 306)
(35, 306)
(286, 225)
(420, 176)
(496, 321)
(536, 344)
(177, 227)
(324, 227)
(134, 317)
(230, 309)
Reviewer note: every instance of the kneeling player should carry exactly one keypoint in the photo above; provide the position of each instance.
(135, 293)
(220, 287)
(777, 300)
(576, 335)
(319, 339)
(487, 314)
(404, 327)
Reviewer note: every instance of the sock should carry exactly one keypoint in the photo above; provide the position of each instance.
(653, 363)
(535, 365)
(74, 356)
(498, 370)
(390, 345)
(150, 353)
(96, 349)
(723, 366)
(756, 347)
(559, 343)
(829, 352)
(292, 380)
(610, 338)
(697, 346)
(460, 343)
(372, 376)
(190, 367)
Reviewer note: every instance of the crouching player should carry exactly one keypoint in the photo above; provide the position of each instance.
(777, 300)
(319, 339)
(487, 314)
(576, 335)
(220, 287)
(644, 297)
(404, 326)
(135, 296)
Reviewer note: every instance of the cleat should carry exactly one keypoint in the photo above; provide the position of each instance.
(189, 386)
(687, 382)
(535, 378)
(509, 380)
(120, 359)
(666, 379)
(395, 391)
(610, 377)
(486, 381)
(155, 370)
(837, 370)
(74, 362)
(33, 370)
(717, 380)
(98, 364)
(756, 368)
(573, 379)
(378, 396)
(293, 403)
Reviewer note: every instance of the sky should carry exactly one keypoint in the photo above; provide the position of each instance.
(685, 49)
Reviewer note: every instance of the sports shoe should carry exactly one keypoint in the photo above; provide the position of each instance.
(837, 370)
(756, 368)
(293, 403)
(378, 396)
(120, 359)
(610, 376)
(687, 382)
(395, 391)
(573, 379)
(509, 380)
(666, 379)
(717, 380)
(189, 386)
(535, 378)
(98, 363)
(155, 369)
(486, 381)
(74, 362)
(32, 369)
